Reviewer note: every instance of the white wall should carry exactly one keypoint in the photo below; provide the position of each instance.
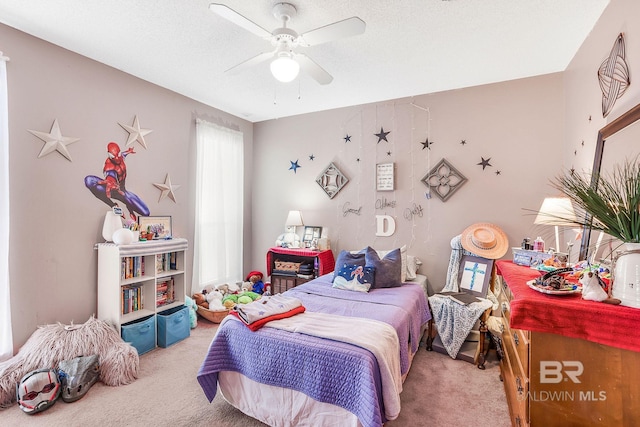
(55, 220)
(517, 124)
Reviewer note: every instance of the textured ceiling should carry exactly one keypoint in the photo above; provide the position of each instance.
(409, 47)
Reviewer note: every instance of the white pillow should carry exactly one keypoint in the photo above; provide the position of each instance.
(413, 264)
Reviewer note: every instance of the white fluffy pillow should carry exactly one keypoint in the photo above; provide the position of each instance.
(413, 264)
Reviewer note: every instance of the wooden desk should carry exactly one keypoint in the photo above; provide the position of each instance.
(567, 362)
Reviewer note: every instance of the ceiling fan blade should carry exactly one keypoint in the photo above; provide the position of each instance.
(250, 62)
(310, 67)
(345, 28)
(233, 16)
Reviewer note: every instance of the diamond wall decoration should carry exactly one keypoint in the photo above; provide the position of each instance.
(332, 180)
(444, 180)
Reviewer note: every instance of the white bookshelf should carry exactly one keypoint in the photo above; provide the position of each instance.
(142, 289)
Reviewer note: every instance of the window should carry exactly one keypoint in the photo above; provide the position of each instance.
(6, 338)
(219, 206)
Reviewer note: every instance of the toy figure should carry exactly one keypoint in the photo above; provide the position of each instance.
(112, 187)
(257, 285)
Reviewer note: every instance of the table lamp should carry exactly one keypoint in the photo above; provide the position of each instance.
(294, 220)
(556, 211)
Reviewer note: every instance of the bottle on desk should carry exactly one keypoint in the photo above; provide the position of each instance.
(538, 244)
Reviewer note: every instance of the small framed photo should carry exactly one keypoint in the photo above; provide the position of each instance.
(311, 233)
(474, 275)
(385, 177)
(160, 226)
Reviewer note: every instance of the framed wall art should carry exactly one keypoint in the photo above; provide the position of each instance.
(474, 275)
(159, 225)
(385, 177)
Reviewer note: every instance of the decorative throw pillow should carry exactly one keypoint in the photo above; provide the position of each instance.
(403, 256)
(387, 270)
(354, 278)
(349, 258)
(413, 263)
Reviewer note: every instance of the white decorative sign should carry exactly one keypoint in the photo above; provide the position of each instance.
(384, 177)
(386, 225)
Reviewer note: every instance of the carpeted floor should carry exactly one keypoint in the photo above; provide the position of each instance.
(438, 392)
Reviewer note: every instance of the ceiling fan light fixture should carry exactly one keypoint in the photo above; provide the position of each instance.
(284, 68)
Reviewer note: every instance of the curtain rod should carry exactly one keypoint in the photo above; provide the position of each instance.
(4, 58)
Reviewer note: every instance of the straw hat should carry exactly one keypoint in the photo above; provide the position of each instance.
(485, 240)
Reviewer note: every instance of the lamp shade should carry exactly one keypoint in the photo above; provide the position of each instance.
(556, 211)
(284, 68)
(294, 219)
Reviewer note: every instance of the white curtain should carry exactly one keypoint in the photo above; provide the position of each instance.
(6, 337)
(219, 206)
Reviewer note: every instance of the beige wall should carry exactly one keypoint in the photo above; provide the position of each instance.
(529, 128)
(517, 124)
(583, 94)
(55, 220)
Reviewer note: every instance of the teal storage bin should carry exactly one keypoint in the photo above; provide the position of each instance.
(173, 325)
(141, 334)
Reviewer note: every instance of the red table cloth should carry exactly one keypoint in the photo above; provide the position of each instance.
(568, 315)
(326, 262)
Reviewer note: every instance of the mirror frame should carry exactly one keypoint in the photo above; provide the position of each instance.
(626, 119)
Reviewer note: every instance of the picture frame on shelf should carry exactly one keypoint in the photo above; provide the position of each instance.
(474, 275)
(159, 225)
(310, 233)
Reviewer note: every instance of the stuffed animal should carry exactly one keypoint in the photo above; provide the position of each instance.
(255, 279)
(243, 298)
(592, 290)
(214, 298)
(193, 318)
(201, 300)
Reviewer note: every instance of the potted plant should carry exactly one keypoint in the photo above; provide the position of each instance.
(610, 202)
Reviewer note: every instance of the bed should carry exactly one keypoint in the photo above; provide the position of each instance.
(341, 362)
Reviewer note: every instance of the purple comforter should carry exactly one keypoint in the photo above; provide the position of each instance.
(328, 371)
(405, 308)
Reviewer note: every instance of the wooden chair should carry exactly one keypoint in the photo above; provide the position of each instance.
(483, 345)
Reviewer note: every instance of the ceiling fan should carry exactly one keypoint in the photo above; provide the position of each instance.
(285, 63)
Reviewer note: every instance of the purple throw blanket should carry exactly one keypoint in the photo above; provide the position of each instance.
(328, 371)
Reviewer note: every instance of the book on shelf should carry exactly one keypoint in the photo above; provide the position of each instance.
(165, 293)
(131, 299)
(459, 297)
(132, 267)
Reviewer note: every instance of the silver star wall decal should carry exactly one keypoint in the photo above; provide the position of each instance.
(135, 133)
(167, 189)
(54, 141)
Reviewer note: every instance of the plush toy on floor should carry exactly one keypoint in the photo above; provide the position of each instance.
(255, 279)
(193, 307)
